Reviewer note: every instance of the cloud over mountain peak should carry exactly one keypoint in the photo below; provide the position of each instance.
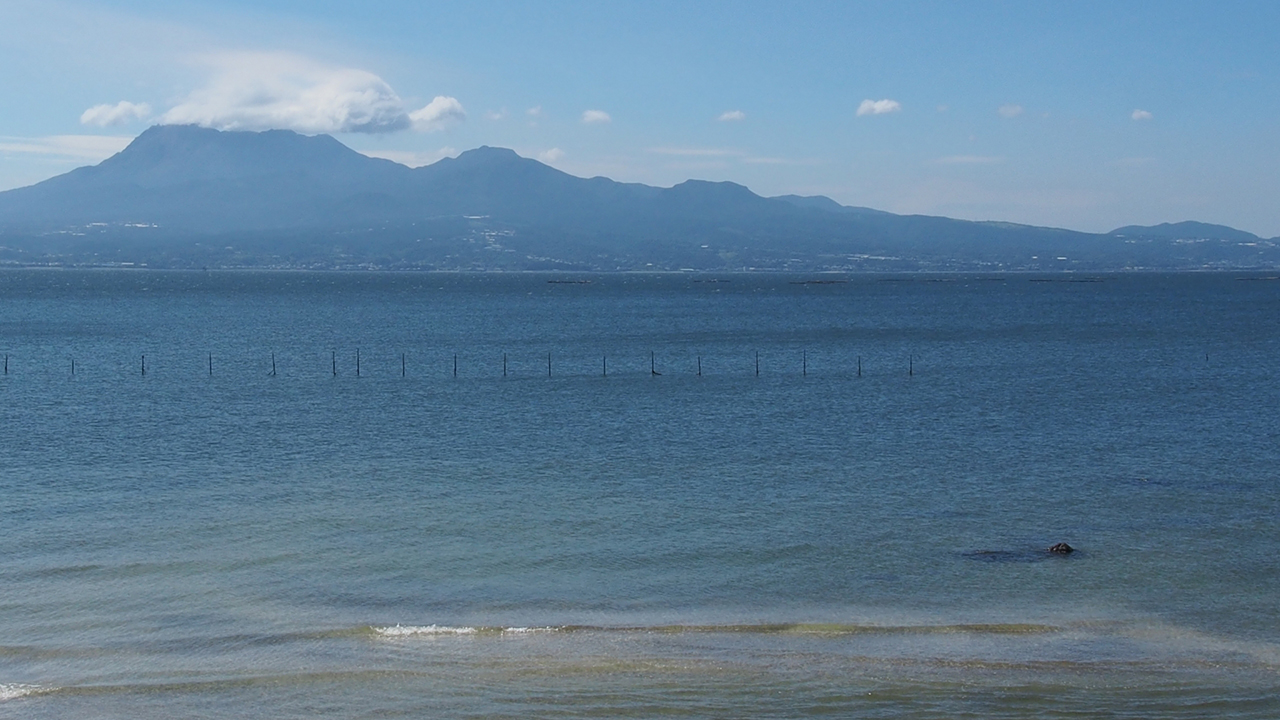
(263, 91)
(118, 114)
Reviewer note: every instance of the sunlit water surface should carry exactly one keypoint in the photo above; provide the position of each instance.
(833, 498)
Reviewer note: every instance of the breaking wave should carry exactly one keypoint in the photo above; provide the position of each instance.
(756, 628)
(13, 691)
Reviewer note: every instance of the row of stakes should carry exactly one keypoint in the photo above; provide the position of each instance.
(604, 364)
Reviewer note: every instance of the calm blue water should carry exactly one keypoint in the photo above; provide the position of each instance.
(803, 541)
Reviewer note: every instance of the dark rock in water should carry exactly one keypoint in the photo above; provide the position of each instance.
(1025, 555)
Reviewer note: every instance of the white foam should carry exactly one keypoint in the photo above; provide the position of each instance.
(407, 630)
(410, 630)
(13, 691)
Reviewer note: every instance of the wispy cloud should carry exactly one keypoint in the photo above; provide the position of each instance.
(1141, 115)
(1010, 111)
(756, 160)
(118, 114)
(496, 115)
(535, 111)
(732, 116)
(969, 160)
(695, 152)
(67, 147)
(592, 117)
(262, 91)
(550, 156)
(878, 107)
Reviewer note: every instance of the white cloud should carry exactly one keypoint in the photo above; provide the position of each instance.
(496, 115)
(1141, 115)
(93, 148)
(534, 111)
(118, 114)
(438, 114)
(596, 116)
(263, 91)
(878, 107)
(550, 156)
(1010, 111)
(732, 116)
(969, 160)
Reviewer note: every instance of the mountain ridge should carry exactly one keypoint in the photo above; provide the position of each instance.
(278, 198)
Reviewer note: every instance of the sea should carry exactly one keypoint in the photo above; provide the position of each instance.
(288, 494)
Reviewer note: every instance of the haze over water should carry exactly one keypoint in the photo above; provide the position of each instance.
(210, 539)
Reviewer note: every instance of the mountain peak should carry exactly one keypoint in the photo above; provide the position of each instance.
(163, 154)
(180, 138)
(826, 204)
(711, 188)
(489, 151)
(487, 156)
(816, 202)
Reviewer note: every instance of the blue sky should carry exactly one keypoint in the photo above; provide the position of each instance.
(1082, 115)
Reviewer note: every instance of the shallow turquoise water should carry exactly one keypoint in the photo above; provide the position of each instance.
(204, 542)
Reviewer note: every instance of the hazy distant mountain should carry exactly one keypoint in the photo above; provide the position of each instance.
(822, 202)
(184, 196)
(1186, 231)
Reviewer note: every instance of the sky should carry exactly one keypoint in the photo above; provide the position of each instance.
(1084, 115)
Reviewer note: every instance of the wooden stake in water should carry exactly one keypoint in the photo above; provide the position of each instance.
(402, 370)
(357, 362)
(911, 365)
(333, 359)
(699, 366)
(504, 364)
(210, 364)
(273, 364)
(73, 367)
(144, 364)
(455, 364)
(653, 367)
(548, 364)
(604, 365)
(804, 364)
(757, 363)
(6, 364)
(859, 366)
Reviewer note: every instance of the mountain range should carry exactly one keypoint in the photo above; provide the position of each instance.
(185, 196)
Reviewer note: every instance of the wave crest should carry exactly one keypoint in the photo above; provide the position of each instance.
(13, 691)
(412, 630)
